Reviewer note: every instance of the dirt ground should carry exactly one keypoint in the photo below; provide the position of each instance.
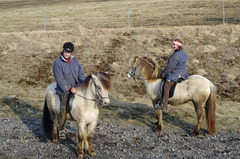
(118, 135)
(125, 130)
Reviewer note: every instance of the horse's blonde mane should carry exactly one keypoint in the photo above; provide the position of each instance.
(103, 77)
(148, 66)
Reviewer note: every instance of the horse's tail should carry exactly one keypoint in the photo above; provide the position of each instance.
(211, 110)
(47, 124)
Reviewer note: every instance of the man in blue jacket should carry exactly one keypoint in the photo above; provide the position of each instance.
(174, 71)
(68, 74)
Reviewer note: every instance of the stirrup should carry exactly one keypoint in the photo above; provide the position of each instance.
(159, 106)
(62, 134)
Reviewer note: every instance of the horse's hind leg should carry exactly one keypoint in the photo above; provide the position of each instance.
(199, 112)
(159, 123)
(89, 147)
(55, 128)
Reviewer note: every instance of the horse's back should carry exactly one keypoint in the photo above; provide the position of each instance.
(199, 82)
(194, 86)
(51, 87)
(53, 100)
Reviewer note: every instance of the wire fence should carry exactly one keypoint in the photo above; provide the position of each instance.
(133, 14)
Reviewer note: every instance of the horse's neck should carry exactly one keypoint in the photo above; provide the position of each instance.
(153, 88)
(84, 102)
(148, 75)
(87, 93)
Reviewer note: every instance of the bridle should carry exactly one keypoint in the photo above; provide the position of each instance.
(98, 95)
(132, 74)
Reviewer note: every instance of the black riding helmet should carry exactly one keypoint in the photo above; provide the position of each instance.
(68, 46)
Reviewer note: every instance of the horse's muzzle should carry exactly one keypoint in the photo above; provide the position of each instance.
(105, 102)
(129, 76)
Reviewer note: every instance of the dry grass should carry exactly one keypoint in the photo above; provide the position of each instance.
(65, 15)
(27, 57)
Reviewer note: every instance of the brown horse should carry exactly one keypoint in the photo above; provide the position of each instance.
(84, 109)
(196, 88)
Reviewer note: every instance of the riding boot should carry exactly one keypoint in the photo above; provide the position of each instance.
(63, 113)
(167, 85)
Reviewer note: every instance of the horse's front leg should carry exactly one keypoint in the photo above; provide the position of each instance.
(80, 145)
(89, 147)
(159, 123)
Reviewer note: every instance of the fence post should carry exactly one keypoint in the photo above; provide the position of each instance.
(128, 16)
(44, 20)
(223, 14)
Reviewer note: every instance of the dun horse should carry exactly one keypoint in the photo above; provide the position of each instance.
(196, 88)
(84, 110)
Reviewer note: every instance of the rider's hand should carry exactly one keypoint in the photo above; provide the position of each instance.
(73, 90)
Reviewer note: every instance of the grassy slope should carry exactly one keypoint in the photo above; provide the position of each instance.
(65, 15)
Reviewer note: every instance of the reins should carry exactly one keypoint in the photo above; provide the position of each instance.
(93, 99)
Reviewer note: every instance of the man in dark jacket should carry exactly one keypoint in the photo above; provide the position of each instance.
(68, 74)
(175, 70)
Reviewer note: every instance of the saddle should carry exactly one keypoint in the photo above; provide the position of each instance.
(171, 91)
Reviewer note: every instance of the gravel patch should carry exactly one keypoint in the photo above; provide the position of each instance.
(23, 139)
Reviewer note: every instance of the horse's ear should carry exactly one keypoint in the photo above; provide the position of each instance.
(94, 77)
(135, 59)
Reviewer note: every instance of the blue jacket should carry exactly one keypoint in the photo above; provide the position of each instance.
(176, 66)
(67, 74)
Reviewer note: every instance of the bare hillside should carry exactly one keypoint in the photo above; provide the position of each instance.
(27, 57)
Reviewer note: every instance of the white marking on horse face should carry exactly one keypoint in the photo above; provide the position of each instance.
(130, 73)
(103, 93)
(105, 102)
(129, 76)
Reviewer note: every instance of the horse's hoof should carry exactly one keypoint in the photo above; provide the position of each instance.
(193, 134)
(158, 130)
(80, 155)
(92, 153)
(55, 140)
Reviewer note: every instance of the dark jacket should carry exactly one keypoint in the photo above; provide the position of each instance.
(176, 66)
(67, 74)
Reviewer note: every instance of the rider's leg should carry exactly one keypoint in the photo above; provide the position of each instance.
(63, 110)
(167, 85)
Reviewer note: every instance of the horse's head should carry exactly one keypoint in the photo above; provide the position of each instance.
(133, 73)
(102, 83)
(143, 67)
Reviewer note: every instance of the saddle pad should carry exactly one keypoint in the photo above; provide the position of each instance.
(171, 91)
(69, 101)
